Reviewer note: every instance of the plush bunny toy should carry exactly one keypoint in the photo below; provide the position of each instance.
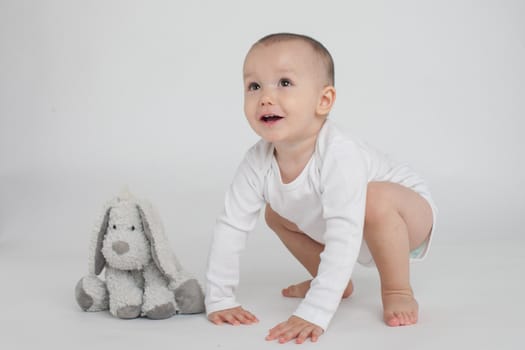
(143, 276)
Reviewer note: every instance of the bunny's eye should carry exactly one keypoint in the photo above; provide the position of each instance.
(114, 227)
(132, 228)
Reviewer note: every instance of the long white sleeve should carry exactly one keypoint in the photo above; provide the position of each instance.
(242, 205)
(343, 197)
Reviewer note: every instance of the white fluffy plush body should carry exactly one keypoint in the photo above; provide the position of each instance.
(142, 275)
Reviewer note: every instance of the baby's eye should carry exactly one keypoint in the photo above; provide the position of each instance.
(253, 86)
(114, 227)
(285, 82)
(132, 228)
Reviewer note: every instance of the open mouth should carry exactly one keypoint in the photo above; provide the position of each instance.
(270, 118)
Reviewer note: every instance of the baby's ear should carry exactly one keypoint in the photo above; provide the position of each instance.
(326, 100)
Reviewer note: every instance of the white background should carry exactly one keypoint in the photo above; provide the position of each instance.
(96, 95)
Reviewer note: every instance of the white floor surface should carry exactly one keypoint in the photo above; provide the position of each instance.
(471, 297)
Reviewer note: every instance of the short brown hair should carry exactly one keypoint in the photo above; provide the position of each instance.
(319, 48)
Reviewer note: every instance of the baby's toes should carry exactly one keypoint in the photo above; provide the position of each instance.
(290, 291)
(412, 317)
(392, 319)
(406, 318)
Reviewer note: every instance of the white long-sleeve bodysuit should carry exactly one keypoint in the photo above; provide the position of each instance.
(326, 201)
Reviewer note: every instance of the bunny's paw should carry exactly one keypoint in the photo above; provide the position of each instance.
(189, 297)
(128, 312)
(91, 294)
(161, 312)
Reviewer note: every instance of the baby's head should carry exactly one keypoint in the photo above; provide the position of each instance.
(319, 52)
(288, 86)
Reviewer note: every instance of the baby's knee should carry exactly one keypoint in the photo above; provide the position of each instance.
(277, 223)
(271, 217)
(378, 202)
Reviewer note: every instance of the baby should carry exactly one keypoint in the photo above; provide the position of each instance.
(333, 201)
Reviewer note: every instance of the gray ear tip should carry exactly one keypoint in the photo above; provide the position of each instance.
(97, 260)
(99, 264)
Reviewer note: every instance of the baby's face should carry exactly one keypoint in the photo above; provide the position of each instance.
(283, 84)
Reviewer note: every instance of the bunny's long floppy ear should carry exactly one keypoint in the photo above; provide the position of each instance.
(160, 247)
(97, 260)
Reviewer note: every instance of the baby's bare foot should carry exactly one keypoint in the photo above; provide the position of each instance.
(299, 290)
(399, 308)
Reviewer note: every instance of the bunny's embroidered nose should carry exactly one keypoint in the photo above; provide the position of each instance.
(120, 247)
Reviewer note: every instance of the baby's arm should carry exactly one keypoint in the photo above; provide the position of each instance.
(243, 203)
(343, 196)
(234, 316)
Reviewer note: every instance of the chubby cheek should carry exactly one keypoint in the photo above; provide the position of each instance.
(250, 109)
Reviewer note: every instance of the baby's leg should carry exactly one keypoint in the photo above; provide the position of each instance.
(302, 247)
(397, 220)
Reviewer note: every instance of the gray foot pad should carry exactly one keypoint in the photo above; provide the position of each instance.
(161, 312)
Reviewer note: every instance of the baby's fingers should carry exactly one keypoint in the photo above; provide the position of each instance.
(243, 319)
(235, 316)
(283, 332)
(249, 317)
(311, 332)
(224, 318)
(215, 318)
(295, 328)
(305, 333)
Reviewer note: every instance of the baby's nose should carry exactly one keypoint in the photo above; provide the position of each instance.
(266, 101)
(266, 98)
(120, 247)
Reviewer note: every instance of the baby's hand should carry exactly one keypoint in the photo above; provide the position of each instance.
(295, 328)
(235, 316)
